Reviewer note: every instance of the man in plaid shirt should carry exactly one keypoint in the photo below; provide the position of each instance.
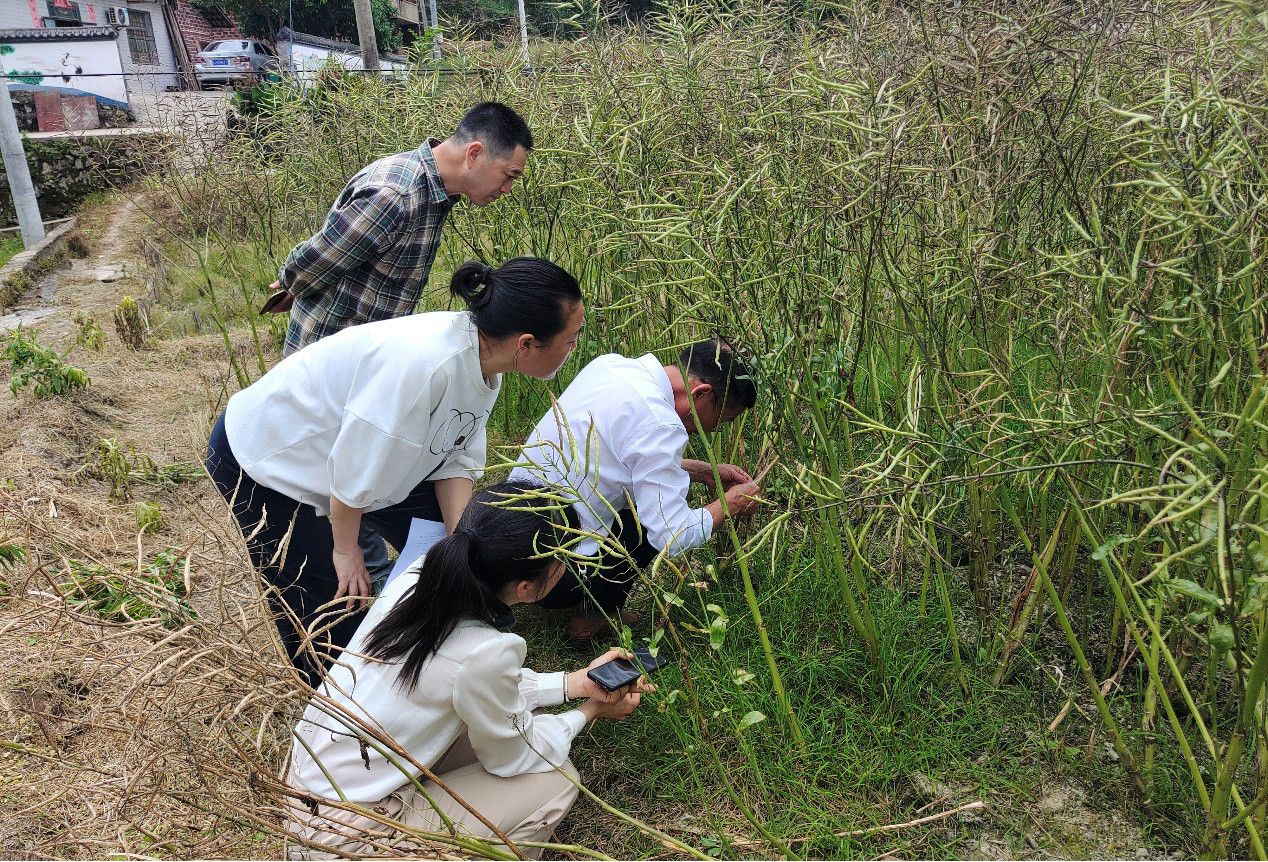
(371, 259)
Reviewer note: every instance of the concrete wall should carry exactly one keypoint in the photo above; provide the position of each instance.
(16, 14)
(305, 61)
(28, 13)
(62, 64)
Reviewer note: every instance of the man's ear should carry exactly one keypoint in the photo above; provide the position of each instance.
(701, 389)
(471, 152)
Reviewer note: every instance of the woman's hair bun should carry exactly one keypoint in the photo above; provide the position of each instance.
(473, 282)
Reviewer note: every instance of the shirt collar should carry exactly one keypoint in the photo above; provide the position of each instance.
(657, 372)
(466, 324)
(503, 616)
(428, 158)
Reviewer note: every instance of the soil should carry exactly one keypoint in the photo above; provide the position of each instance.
(99, 731)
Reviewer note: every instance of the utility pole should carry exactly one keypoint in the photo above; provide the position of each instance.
(528, 63)
(365, 30)
(20, 185)
(435, 34)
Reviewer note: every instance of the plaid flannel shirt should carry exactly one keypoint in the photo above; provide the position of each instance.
(371, 258)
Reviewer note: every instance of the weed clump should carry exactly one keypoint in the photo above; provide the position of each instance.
(122, 466)
(42, 368)
(10, 554)
(88, 333)
(132, 324)
(156, 592)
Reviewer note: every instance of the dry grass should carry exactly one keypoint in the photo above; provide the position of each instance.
(135, 737)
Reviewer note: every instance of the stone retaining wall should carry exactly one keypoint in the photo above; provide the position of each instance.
(67, 170)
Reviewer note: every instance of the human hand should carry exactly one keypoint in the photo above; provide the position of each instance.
(580, 685)
(629, 702)
(630, 697)
(742, 499)
(279, 301)
(732, 475)
(354, 580)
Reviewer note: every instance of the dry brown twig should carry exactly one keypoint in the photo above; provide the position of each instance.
(747, 843)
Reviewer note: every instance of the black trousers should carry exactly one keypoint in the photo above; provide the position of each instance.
(302, 573)
(606, 586)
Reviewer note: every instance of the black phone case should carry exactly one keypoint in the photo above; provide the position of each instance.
(272, 302)
(620, 672)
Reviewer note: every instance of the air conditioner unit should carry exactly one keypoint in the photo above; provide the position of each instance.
(117, 15)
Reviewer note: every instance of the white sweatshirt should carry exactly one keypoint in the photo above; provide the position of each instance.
(368, 413)
(614, 437)
(476, 681)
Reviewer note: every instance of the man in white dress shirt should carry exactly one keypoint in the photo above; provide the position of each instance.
(614, 444)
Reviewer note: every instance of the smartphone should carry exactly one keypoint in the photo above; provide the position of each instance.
(278, 298)
(621, 672)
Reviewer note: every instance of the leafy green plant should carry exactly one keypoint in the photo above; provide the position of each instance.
(157, 591)
(122, 466)
(42, 368)
(149, 517)
(11, 554)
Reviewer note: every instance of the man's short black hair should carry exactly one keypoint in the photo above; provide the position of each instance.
(498, 127)
(712, 361)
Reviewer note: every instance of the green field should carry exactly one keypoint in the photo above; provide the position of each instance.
(1001, 271)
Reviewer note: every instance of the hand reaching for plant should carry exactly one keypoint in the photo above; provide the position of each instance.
(354, 580)
(732, 475)
(742, 499)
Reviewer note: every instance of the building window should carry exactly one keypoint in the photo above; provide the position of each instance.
(141, 42)
(64, 13)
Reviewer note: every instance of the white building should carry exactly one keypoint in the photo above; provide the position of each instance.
(155, 40)
(305, 55)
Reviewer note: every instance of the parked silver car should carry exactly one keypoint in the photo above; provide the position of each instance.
(232, 60)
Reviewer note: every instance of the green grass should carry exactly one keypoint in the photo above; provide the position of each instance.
(869, 729)
(9, 246)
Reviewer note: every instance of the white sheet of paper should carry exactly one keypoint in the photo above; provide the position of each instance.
(422, 535)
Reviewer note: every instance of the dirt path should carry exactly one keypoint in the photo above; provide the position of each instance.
(103, 713)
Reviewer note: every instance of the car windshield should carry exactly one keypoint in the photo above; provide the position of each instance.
(226, 46)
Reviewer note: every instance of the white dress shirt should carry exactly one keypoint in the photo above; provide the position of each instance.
(476, 681)
(368, 413)
(614, 437)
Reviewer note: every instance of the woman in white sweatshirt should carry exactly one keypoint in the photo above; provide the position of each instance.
(385, 418)
(428, 681)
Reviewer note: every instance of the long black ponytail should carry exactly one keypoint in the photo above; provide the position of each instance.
(504, 536)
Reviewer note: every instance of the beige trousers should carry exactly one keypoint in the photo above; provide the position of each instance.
(523, 807)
